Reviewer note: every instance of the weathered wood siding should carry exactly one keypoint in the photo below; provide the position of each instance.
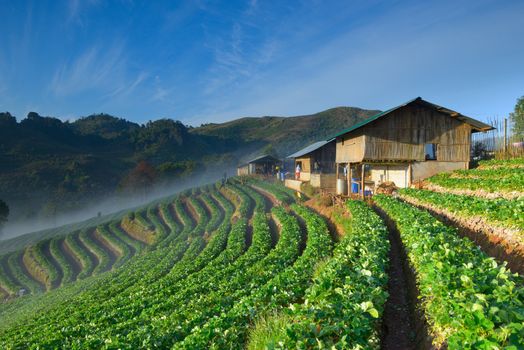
(350, 147)
(305, 163)
(325, 156)
(243, 170)
(402, 134)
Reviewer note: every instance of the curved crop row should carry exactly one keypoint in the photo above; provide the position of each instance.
(58, 255)
(217, 216)
(491, 174)
(135, 228)
(115, 228)
(246, 203)
(11, 287)
(260, 204)
(48, 329)
(39, 266)
(344, 304)
(190, 257)
(161, 229)
(14, 261)
(81, 254)
(124, 253)
(455, 278)
(103, 259)
(504, 184)
(506, 212)
(229, 329)
(202, 219)
(282, 194)
(502, 163)
(174, 226)
(223, 202)
(174, 326)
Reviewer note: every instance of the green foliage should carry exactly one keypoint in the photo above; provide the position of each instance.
(509, 213)
(4, 213)
(343, 306)
(494, 178)
(469, 300)
(216, 271)
(267, 331)
(517, 118)
(72, 164)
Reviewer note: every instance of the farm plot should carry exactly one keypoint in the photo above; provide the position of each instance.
(468, 299)
(492, 179)
(243, 265)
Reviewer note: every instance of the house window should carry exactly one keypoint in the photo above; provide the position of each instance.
(430, 149)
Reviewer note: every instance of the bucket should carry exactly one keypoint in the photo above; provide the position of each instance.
(355, 186)
(342, 187)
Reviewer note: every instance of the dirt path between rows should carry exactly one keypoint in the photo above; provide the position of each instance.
(404, 326)
(71, 258)
(46, 251)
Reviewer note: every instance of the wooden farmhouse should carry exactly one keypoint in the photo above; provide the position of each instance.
(262, 165)
(317, 164)
(405, 144)
(402, 145)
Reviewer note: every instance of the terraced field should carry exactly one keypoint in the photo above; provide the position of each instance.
(247, 266)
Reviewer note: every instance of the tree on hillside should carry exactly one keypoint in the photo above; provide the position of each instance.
(270, 150)
(140, 179)
(4, 213)
(517, 118)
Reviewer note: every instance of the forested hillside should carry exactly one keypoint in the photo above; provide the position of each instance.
(48, 167)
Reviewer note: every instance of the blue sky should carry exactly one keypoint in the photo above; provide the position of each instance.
(211, 61)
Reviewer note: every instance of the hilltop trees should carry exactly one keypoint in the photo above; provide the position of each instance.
(4, 213)
(517, 118)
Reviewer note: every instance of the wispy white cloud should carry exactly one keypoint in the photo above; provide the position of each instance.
(94, 68)
(128, 88)
(75, 9)
(374, 66)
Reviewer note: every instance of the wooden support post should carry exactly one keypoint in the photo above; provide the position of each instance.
(349, 178)
(505, 136)
(362, 180)
(410, 176)
(336, 166)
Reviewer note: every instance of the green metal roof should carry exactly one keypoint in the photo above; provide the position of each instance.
(478, 125)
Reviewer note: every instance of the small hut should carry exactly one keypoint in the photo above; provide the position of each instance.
(317, 163)
(262, 165)
(404, 144)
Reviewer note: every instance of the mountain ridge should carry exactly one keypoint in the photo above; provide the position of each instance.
(48, 166)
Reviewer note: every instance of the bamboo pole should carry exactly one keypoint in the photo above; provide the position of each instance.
(505, 136)
(348, 177)
(362, 180)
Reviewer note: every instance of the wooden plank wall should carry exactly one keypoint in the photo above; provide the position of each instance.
(350, 147)
(326, 157)
(306, 163)
(401, 136)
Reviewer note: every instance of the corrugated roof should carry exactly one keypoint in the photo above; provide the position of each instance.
(259, 158)
(477, 125)
(310, 148)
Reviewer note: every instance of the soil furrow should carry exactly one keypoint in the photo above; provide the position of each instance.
(71, 258)
(47, 254)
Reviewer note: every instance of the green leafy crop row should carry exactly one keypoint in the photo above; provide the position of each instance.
(468, 299)
(344, 305)
(501, 211)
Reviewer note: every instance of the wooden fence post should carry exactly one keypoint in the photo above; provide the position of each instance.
(505, 136)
